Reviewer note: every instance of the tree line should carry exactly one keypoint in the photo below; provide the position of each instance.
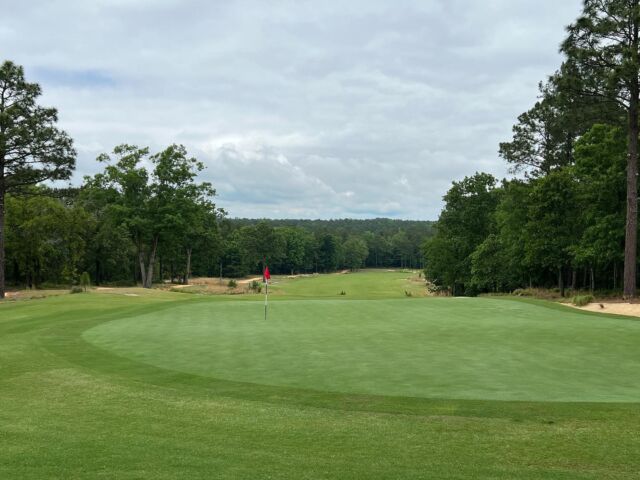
(568, 216)
(147, 217)
(128, 226)
(293, 246)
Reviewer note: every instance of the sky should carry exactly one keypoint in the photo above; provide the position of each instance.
(299, 109)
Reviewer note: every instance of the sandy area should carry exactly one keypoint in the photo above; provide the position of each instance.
(249, 280)
(629, 309)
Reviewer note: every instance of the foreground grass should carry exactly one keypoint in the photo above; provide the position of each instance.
(70, 409)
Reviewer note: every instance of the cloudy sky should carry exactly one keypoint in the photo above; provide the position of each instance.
(300, 109)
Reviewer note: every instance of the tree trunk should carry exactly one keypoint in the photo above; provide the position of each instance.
(631, 235)
(187, 272)
(615, 275)
(2, 279)
(152, 261)
(560, 282)
(574, 279)
(143, 271)
(135, 271)
(593, 281)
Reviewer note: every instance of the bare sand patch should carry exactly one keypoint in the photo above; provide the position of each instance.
(249, 280)
(615, 308)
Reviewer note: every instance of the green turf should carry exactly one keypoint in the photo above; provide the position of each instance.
(361, 285)
(72, 409)
(434, 347)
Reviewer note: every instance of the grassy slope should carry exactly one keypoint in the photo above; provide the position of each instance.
(71, 410)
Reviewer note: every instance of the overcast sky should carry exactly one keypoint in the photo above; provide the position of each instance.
(323, 109)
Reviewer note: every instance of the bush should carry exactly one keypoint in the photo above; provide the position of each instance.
(232, 283)
(343, 293)
(582, 300)
(540, 293)
(408, 293)
(77, 289)
(255, 286)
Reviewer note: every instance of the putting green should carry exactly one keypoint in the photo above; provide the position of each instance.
(436, 348)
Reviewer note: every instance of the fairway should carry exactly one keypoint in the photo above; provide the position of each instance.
(150, 384)
(434, 347)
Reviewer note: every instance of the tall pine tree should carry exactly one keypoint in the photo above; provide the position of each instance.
(602, 45)
(32, 149)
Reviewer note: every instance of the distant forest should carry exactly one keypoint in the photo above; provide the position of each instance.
(121, 238)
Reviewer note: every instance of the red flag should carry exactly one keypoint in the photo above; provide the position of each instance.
(265, 275)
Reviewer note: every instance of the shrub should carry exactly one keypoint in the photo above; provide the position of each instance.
(541, 293)
(408, 293)
(343, 292)
(77, 289)
(255, 286)
(232, 283)
(582, 300)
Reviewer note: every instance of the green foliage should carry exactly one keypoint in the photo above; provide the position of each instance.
(463, 225)
(85, 281)
(32, 148)
(355, 253)
(232, 284)
(552, 221)
(582, 300)
(328, 253)
(488, 265)
(255, 286)
(164, 207)
(46, 240)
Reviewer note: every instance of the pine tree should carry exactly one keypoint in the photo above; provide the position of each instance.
(602, 46)
(32, 149)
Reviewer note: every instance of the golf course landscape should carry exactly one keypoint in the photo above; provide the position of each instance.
(355, 375)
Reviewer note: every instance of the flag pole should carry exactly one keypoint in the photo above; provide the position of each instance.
(266, 276)
(266, 297)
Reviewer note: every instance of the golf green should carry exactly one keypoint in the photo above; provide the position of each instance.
(482, 349)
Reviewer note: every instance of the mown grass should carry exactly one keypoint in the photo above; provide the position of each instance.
(71, 409)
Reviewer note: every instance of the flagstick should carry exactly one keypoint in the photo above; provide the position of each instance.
(266, 297)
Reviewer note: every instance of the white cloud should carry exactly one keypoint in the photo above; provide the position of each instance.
(315, 109)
